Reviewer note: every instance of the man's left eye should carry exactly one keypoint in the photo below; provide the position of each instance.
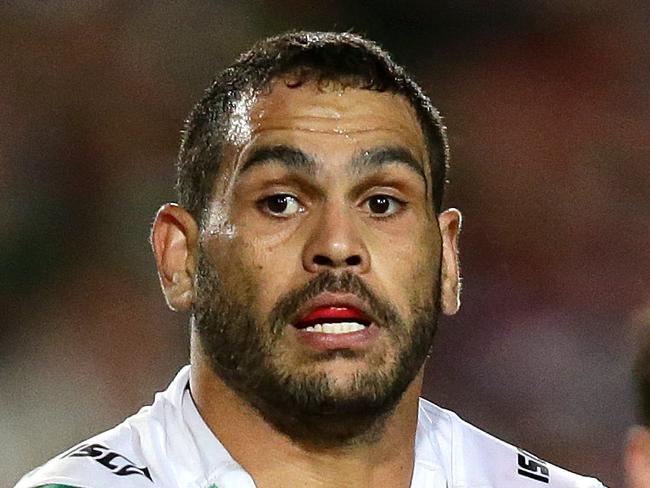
(383, 205)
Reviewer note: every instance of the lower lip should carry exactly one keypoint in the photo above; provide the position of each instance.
(328, 342)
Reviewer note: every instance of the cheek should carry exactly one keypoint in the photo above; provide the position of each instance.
(427, 264)
(235, 269)
(258, 270)
(408, 268)
(277, 270)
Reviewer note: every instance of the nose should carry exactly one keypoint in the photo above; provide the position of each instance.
(335, 243)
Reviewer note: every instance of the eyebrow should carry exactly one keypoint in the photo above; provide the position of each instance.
(287, 155)
(294, 158)
(385, 155)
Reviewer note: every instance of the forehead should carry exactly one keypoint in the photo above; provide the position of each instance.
(344, 116)
(332, 125)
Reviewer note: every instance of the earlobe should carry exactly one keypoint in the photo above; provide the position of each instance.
(450, 222)
(174, 238)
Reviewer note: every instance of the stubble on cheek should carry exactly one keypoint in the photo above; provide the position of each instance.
(228, 331)
(229, 267)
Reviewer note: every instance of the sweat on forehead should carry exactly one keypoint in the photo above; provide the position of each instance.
(325, 57)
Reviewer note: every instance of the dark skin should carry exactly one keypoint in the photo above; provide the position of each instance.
(356, 197)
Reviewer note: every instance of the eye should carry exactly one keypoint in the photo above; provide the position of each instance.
(281, 205)
(383, 205)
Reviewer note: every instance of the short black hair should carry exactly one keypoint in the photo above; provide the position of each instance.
(344, 58)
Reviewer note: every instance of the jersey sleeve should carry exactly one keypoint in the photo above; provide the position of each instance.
(480, 459)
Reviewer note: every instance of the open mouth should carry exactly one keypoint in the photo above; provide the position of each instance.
(334, 320)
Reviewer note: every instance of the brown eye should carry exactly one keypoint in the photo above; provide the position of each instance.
(383, 205)
(281, 205)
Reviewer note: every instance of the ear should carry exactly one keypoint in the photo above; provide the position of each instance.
(174, 238)
(450, 223)
(637, 457)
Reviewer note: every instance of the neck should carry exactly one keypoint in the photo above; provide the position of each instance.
(275, 460)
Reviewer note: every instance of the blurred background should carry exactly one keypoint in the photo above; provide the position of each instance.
(548, 108)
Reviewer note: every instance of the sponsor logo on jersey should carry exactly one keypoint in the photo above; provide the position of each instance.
(532, 467)
(119, 465)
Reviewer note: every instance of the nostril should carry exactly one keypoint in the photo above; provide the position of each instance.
(321, 260)
(353, 260)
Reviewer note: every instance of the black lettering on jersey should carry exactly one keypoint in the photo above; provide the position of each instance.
(118, 464)
(532, 467)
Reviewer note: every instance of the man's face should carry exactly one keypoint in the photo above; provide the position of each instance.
(318, 279)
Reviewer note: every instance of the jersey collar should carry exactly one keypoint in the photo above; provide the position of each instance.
(218, 469)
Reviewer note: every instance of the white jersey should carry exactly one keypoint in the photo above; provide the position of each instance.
(168, 445)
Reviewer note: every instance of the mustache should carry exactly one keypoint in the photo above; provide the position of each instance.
(285, 310)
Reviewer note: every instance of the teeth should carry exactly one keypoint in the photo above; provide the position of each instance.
(336, 328)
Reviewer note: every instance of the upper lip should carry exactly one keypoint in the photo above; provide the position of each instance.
(342, 300)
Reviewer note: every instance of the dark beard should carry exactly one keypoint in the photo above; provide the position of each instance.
(306, 406)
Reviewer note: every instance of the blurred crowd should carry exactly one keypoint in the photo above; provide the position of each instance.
(548, 109)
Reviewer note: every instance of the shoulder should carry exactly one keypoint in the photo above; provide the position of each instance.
(97, 463)
(130, 455)
(477, 458)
